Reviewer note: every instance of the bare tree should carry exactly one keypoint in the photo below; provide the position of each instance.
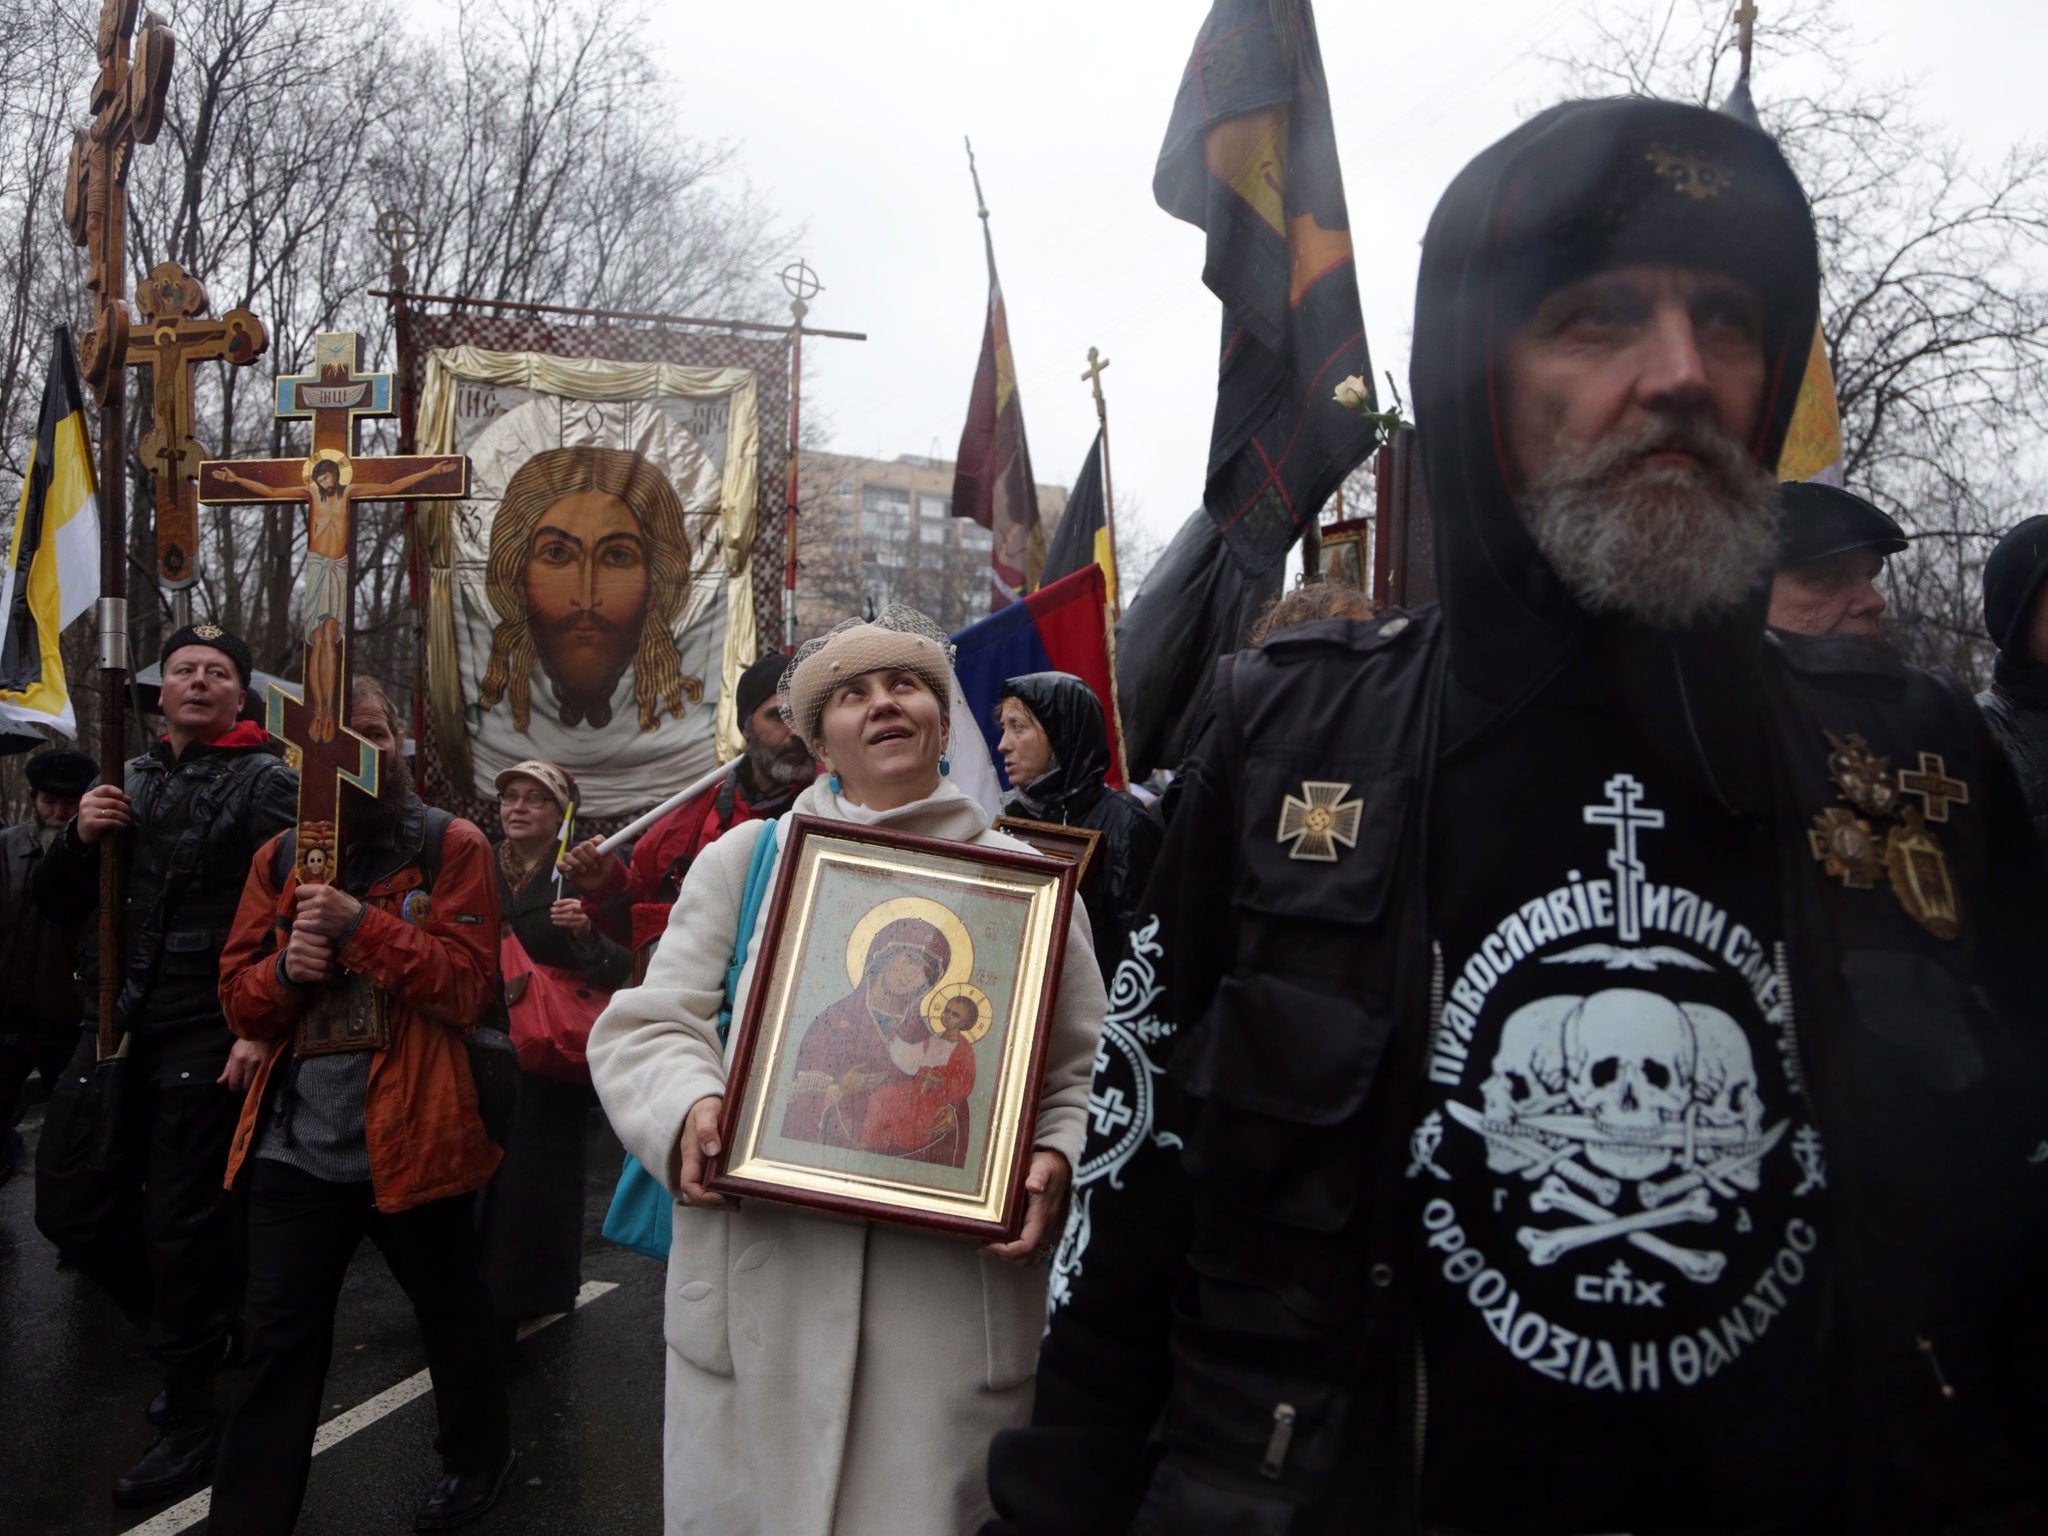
(1934, 267)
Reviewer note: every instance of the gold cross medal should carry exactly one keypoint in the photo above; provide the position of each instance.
(1907, 855)
(1319, 819)
(1844, 842)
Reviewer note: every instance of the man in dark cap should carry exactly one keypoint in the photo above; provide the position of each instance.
(1508, 1195)
(1831, 550)
(2016, 616)
(630, 903)
(129, 1187)
(39, 1030)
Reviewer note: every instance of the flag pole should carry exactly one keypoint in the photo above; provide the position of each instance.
(1092, 374)
(1745, 22)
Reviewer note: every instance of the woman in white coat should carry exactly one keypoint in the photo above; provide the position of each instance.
(832, 1377)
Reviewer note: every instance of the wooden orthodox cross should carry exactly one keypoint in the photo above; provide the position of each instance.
(329, 483)
(175, 340)
(128, 109)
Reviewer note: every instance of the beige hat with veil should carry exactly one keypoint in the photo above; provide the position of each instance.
(896, 637)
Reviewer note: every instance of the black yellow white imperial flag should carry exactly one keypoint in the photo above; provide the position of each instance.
(53, 567)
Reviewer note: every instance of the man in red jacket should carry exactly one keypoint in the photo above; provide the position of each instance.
(630, 902)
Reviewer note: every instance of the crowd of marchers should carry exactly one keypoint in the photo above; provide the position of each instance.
(1577, 1060)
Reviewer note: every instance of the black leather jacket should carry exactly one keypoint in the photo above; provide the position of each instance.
(198, 820)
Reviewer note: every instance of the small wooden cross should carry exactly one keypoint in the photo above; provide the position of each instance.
(1937, 791)
(128, 109)
(329, 483)
(173, 341)
(1092, 374)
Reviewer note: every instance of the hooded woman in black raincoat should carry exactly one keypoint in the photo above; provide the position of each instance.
(1056, 752)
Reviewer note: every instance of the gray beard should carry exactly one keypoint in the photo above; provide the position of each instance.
(1666, 545)
(780, 769)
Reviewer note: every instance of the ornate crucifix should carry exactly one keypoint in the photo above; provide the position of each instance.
(329, 483)
(174, 340)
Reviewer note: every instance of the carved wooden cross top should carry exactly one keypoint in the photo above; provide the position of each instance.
(174, 340)
(329, 483)
(128, 109)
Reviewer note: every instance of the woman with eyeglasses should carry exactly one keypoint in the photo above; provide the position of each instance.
(531, 1213)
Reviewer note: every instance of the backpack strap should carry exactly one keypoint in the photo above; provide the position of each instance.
(759, 869)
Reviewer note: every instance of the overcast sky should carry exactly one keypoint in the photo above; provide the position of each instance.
(850, 118)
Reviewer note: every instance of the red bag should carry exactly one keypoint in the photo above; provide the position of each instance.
(551, 1010)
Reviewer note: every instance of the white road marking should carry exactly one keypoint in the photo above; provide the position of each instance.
(184, 1516)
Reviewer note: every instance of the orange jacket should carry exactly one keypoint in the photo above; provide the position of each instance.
(438, 966)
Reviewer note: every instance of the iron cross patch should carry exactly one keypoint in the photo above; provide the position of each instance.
(1319, 819)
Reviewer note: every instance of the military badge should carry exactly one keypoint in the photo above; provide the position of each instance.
(1319, 819)
(1698, 176)
(1864, 778)
(1937, 791)
(1920, 877)
(208, 631)
(1844, 842)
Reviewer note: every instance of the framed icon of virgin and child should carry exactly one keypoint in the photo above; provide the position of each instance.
(888, 1061)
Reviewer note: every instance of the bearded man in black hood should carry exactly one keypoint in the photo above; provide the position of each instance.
(1604, 1086)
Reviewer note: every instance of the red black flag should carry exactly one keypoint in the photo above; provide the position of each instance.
(1251, 157)
(992, 480)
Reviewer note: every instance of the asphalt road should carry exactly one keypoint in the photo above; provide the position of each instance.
(586, 1396)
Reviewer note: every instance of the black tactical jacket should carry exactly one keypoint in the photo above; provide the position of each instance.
(198, 820)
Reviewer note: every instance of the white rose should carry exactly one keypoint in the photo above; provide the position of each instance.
(1352, 394)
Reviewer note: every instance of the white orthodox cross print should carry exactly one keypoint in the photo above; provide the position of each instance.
(1625, 812)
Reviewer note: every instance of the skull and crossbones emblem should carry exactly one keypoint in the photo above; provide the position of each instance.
(1587, 1095)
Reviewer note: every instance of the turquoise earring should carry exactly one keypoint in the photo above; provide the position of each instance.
(833, 783)
(945, 765)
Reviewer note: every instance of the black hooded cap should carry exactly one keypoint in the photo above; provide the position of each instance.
(1579, 189)
(232, 646)
(63, 773)
(758, 684)
(1071, 717)
(2012, 577)
(1824, 520)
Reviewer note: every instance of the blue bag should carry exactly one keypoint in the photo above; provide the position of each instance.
(642, 1210)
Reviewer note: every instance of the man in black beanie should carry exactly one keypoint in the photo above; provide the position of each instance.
(630, 902)
(1831, 549)
(39, 1030)
(2016, 616)
(129, 1187)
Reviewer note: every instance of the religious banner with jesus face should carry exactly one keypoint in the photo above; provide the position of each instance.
(589, 603)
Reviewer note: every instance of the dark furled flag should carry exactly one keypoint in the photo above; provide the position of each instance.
(1082, 538)
(1251, 157)
(1196, 603)
(992, 480)
(53, 570)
